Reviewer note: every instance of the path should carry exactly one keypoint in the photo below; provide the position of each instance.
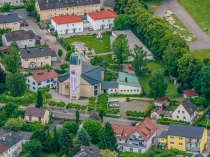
(203, 39)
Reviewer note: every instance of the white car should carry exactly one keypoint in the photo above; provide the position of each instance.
(114, 105)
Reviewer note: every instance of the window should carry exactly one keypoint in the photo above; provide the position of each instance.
(134, 90)
(39, 118)
(28, 80)
(162, 139)
(171, 142)
(180, 144)
(47, 81)
(111, 90)
(30, 40)
(34, 88)
(52, 80)
(182, 111)
(61, 31)
(34, 83)
(79, 29)
(131, 149)
(46, 57)
(178, 111)
(108, 20)
(134, 136)
(72, 24)
(139, 150)
(102, 20)
(124, 90)
(67, 9)
(184, 117)
(121, 90)
(26, 60)
(171, 137)
(180, 138)
(95, 90)
(131, 90)
(127, 90)
(39, 83)
(177, 116)
(115, 90)
(119, 139)
(96, 5)
(67, 25)
(137, 90)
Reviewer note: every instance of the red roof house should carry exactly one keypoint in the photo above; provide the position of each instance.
(65, 19)
(190, 93)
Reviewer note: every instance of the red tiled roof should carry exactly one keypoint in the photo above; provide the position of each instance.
(3, 148)
(144, 129)
(105, 14)
(65, 19)
(42, 75)
(158, 110)
(190, 93)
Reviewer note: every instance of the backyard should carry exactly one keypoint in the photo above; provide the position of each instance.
(99, 46)
(201, 53)
(199, 10)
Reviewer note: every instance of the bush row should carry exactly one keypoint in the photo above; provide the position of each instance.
(169, 121)
(201, 117)
(149, 109)
(135, 114)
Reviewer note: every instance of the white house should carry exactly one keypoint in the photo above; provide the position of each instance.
(155, 114)
(186, 111)
(41, 78)
(190, 93)
(101, 19)
(135, 138)
(161, 102)
(23, 38)
(67, 24)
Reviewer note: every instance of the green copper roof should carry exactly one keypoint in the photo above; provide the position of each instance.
(128, 80)
(74, 58)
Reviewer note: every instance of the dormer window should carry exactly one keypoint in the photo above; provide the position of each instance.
(125, 134)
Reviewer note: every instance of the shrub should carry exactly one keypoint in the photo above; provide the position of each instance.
(64, 66)
(127, 99)
(149, 109)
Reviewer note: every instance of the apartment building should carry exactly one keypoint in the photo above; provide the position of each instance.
(9, 20)
(11, 2)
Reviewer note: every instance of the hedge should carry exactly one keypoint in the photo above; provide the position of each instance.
(201, 117)
(135, 114)
(149, 109)
(169, 121)
(126, 95)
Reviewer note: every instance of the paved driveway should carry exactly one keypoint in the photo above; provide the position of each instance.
(203, 40)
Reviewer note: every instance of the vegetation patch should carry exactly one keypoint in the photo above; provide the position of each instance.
(169, 121)
(201, 54)
(153, 4)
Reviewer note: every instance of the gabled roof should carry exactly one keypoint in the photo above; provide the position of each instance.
(35, 112)
(21, 35)
(65, 19)
(42, 75)
(92, 150)
(64, 77)
(190, 93)
(144, 129)
(100, 15)
(9, 18)
(3, 148)
(189, 106)
(158, 110)
(109, 3)
(95, 116)
(35, 52)
(185, 131)
(161, 100)
(163, 134)
(108, 84)
(132, 80)
(11, 139)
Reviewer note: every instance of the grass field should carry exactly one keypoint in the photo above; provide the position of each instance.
(199, 10)
(202, 53)
(108, 58)
(99, 46)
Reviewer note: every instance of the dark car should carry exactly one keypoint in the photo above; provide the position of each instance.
(52, 33)
(133, 123)
(28, 13)
(23, 20)
(26, 23)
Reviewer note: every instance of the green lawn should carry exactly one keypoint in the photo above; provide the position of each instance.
(108, 59)
(99, 46)
(27, 92)
(203, 122)
(199, 10)
(202, 53)
(144, 80)
(50, 155)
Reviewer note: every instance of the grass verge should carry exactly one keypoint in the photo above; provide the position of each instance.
(202, 53)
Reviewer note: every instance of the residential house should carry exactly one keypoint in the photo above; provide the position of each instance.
(184, 138)
(35, 57)
(33, 114)
(67, 24)
(50, 8)
(24, 39)
(53, 54)
(41, 78)
(155, 114)
(9, 20)
(135, 138)
(11, 2)
(88, 151)
(101, 19)
(109, 4)
(186, 111)
(162, 102)
(190, 93)
(3, 150)
(13, 142)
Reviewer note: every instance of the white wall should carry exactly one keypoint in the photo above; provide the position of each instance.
(61, 28)
(12, 2)
(181, 115)
(129, 90)
(96, 24)
(158, 105)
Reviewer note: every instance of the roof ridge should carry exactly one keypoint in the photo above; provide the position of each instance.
(96, 67)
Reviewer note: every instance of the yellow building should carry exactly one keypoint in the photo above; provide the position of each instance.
(184, 138)
(36, 57)
(11, 21)
(33, 114)
(50, 8)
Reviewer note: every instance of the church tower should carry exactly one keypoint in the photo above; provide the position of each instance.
(75, 75)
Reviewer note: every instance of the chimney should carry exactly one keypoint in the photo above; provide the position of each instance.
(126, 79)
(10, 134)
(28, 50)
(90, 150)
(48, 70)
(38, 73)
(3, 138)
(47, 1)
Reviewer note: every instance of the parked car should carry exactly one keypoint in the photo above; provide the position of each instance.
(11, 10)
(23, 20)
(28, 13)
(133, 123)
(26, 23)
(90, 28)
(114, 105)
(52, 33)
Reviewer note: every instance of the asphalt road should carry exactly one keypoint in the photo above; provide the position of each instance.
(203, 39)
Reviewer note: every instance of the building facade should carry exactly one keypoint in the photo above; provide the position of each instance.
(101, 19)
(12, 2)
(184, 138)
(10, 21)
(67, 24)
(50, 8)
(3, 150)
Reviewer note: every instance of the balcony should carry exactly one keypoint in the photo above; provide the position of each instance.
(136, 139)
(194, 149)
(143, 146)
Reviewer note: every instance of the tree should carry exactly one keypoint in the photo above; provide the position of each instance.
(24, 1)
(42, 137)
(18, 113)
(122, 22)
(2, 88)
(72, 127)
(37, 18)
(13, 124)
(64, 66)
(48, 142)
(60, 53)
(12, 60)
(55, 144)
(139, 62)
(188, 68)
(77, 116)
(47, 26)
(16, 84)
(107, 138)
(94, 129)
(30, 6)
(157, 84)
(121, 49)
(82, 138)
(56, 34)
(101, 114)
(34, 146)
(74, 150)
(198, 100)
(6, 7)
(2, 76)
(14, 44)
(107, 153)
(10, 108)
(39, 100)
(64, 141)
(104, 64)
(3, 117)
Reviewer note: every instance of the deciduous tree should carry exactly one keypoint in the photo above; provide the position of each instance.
(10, 108)
(55, 144)
(60, 53)
(6, 7)
(34, 146)
(157, 84)
(14, 44)
(13, 124)
(2, 76)
(72, 127)
(30, 6)
(122, 22)
(65, 142)
(39, 100)
(56, 33)
(42, 137)
(3, 117)
(82, 138)
(77, 116)
(107, 153)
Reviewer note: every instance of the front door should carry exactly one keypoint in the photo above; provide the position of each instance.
(66, 31)
(74, 30)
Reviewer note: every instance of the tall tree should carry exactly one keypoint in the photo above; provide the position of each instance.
(121, 49)
(14, 44)
(6, 7)
(94, 129)
(10, 108)
(157, 84)
(64, 141)
(188, 68)
(122, 22)
(56, 34)
(55, 144)
(16, 84)
(77, 116)
(82, 138)
(3, 117)
(72, 127)
(30, 6)
(107, 153)
(107, 139)
(42, 137)
(48, 142)
(12, 60)
(60, 53)
(34, 146)
(39, 100)
(139, 62)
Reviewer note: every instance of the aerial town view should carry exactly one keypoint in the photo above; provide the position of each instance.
(104, 78)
